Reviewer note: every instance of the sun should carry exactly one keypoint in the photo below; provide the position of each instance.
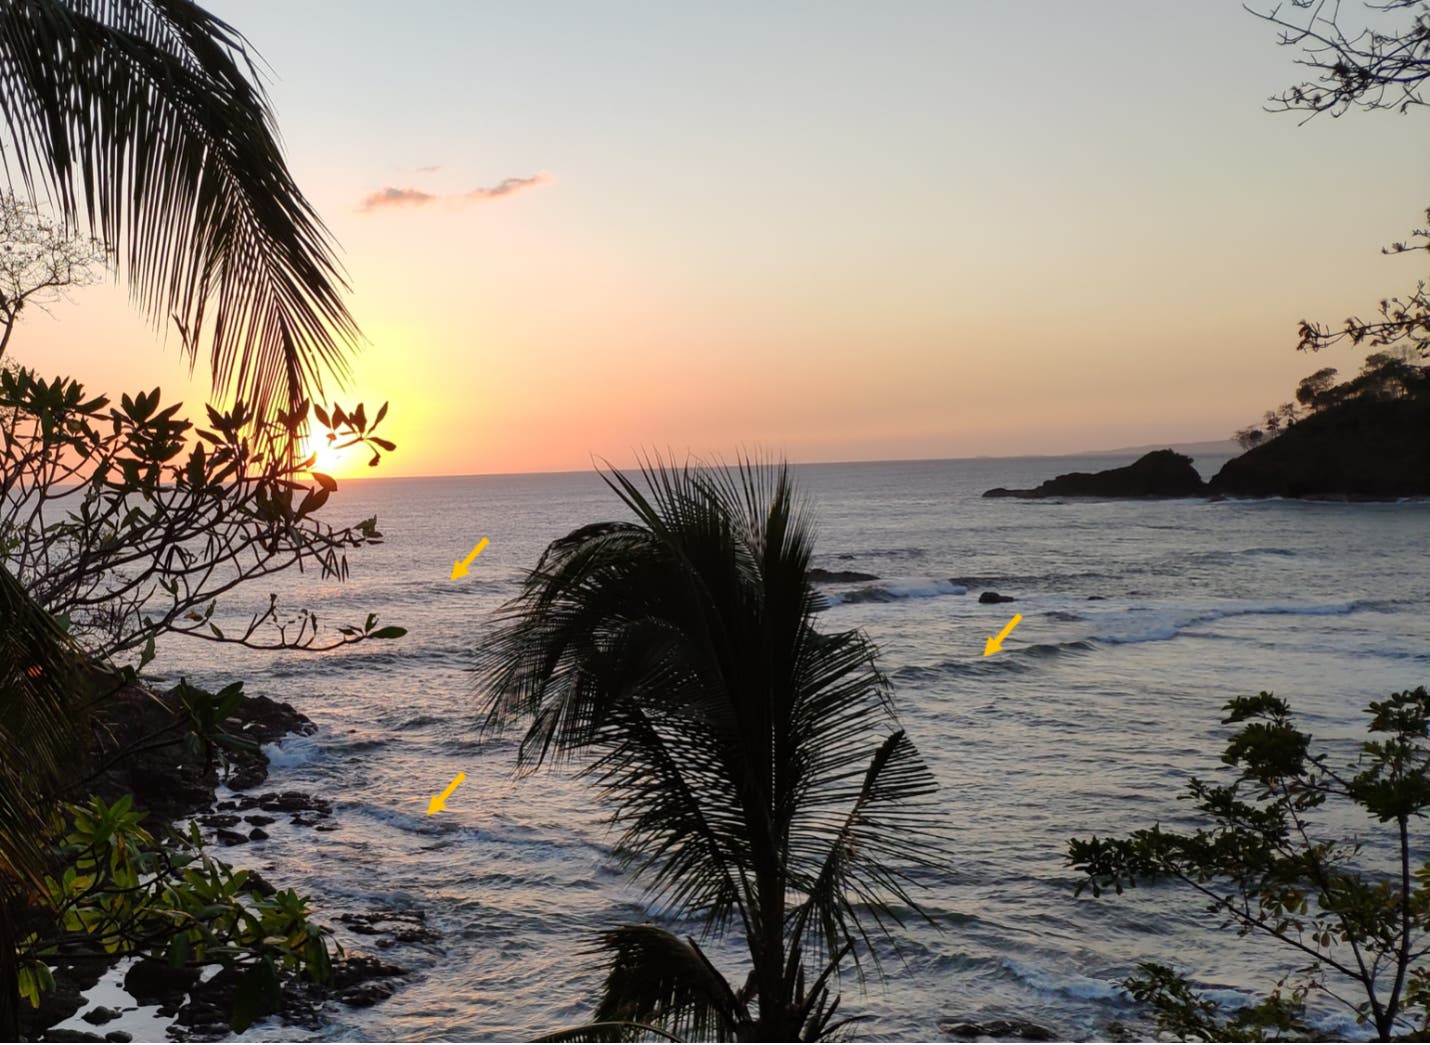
(326, 459)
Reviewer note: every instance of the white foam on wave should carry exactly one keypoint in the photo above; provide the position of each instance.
(895, 590)
(1160, 625)
(292, 750)
(1070, 985)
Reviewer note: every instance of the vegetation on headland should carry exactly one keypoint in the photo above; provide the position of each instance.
(754, 764)
(1385, 377)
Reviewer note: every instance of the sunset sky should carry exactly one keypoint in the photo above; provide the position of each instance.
(839, 231)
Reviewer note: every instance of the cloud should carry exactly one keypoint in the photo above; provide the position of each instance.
(391, 196)
(430, 169)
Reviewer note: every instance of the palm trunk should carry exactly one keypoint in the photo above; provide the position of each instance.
(9, 971)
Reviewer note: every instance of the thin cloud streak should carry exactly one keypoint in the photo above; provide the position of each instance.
(392, 196)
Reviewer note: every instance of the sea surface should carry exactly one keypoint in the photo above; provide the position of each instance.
(1140, 621)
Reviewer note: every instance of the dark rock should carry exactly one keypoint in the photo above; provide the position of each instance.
(990, 597)
(228, 837)
(1162, 473)
(154, 982)
(1365, 449)
(1097, 598)
(258, 820)
(244, 777)
(359, 980)
(393, 926)
(819, 576)
(361, 968)
(293, 802)
(225, 806)
(119, 1035)
(1000, 1030)
(65, 1034)
(258, 835)
(56, 1006)
(260, 885)
(366, 995)
(99, 1014)
(219, 820)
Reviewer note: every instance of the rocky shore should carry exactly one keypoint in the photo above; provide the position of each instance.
(137, 748)
(1364, 450)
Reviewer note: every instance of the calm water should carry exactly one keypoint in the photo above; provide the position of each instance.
(1088, 723)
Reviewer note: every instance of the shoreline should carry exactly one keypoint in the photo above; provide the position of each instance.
(120, 997)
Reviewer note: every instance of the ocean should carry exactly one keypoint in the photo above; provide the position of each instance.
(1140, 621)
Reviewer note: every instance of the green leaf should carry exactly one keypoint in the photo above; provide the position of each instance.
(389, 632)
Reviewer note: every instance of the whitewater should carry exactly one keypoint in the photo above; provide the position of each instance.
(1140, 620)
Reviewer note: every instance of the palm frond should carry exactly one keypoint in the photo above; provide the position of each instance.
(657, 978)
(872, 851)
(147, 119)
(40, 703)
(754, 764)
(615, 1030)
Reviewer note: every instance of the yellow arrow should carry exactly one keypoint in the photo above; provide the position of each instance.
(992, 646)
(439, 802)
(459, 568)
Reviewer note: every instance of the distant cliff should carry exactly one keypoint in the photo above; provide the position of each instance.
(1162, 473)
(1362, 449)
(1365, 448)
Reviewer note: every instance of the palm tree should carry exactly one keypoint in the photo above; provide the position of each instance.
(145, 121)
(40, 710)
(753, 763)
(146, 118)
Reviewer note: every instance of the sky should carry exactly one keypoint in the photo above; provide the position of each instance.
(832, 231)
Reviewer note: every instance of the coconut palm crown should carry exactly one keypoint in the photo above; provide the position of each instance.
(147, 119)
(754, 765)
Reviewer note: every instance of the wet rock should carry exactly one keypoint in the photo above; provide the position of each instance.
(998, 1030)
(247, 776)
(56, 1006)
(99, 1014)
(393, 926)
(360, 980)
(119, 1035)
(259, 820)
(990, 597)
(219, 820)
(228, 837)
(66, 1034)
(294, 802)
(154, 982)
(819, 576)
(260, 885)
(258, 835)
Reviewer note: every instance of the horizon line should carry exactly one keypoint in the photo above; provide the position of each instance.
(801, 464)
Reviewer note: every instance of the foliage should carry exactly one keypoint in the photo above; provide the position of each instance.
(39, 720)
(1384, 375)
(1375, 66)
(129, 894)
(113, 528)
(755, 764)
(1371, 67)
(1355, 910)
(39, 261)
(146, 120)
(206, 734)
